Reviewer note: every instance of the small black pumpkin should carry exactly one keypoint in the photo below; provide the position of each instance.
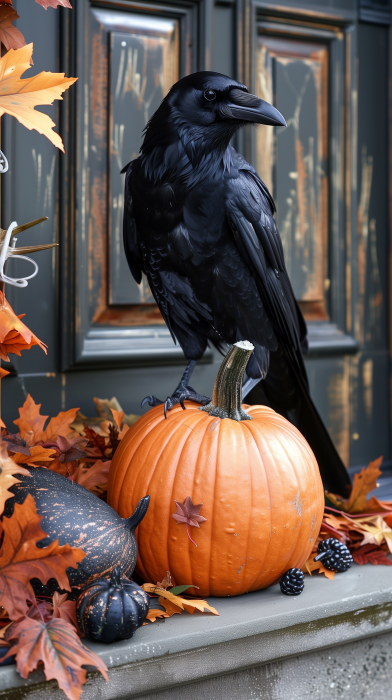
(71, 513)
(111, 608)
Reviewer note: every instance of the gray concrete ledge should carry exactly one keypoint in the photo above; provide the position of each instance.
(252, 630)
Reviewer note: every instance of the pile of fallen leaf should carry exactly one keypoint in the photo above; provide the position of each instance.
(43, 630)
(70, 444)
(363, 524)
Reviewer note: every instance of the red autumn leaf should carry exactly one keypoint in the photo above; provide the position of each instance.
(58, 646)
(21, 559)
(97, 442)
(54, 3)
(10, 36)
(188, 513)
(370, 554)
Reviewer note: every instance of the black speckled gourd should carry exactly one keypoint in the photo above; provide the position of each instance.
(71, 513)
(111, 608)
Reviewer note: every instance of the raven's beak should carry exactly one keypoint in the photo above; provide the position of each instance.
(249, 108)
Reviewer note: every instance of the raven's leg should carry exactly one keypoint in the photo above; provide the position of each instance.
(182, 393)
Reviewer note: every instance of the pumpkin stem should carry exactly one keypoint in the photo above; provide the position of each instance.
(115, 576)
(139, 513)
(227, 395)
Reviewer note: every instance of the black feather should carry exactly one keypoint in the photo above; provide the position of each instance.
(198, 221)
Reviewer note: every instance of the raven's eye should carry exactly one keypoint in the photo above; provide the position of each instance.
(209, 95)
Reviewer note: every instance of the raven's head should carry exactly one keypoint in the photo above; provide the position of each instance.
(205, 110)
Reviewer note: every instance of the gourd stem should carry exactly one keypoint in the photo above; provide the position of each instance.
(227, 395)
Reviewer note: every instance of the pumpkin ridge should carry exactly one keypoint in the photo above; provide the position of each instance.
(128, 446)
(168, 445)
(300, 444)
(202, 438)
(218, 439)
(293, 466)
(252, 495)
(252, 428)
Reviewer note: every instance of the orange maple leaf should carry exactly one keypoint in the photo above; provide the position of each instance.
(31, 420)
(21, 559)
(14, 335)
(364, 483)
(38, 455)
(8, 469)
(10, 36)
(19, 97)
(58, 646)
(60, 425)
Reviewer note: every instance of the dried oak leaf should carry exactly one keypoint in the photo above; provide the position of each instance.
(19, 97)
(14, 335)
(370, 554)
(311, 565)
(21, 559)
(10, 36)
(167, 582)
(155, 613)
(8, 469)
(188, 604)
(94, 478)
(188, 513)
(57, 645)
(363, 484)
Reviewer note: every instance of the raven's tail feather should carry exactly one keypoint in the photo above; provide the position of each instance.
(286, 394)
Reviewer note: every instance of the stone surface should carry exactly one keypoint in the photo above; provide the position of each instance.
(255, 640)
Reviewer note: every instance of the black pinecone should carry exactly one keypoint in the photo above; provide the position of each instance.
(292, 582)
(334, 555)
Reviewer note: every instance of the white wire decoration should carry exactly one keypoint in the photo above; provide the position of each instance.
(3, 163)
(8, 248)
(7, 251)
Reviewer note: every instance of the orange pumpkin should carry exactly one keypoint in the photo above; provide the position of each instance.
(257, 479)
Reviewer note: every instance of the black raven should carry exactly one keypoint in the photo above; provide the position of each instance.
(198, 221)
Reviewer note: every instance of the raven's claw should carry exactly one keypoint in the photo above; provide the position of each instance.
(179, 396)
(151, 400)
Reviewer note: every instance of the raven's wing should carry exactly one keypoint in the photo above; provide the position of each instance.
(250, 214)
(131, 241)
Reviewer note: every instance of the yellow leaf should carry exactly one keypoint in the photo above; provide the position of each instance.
(376, 531)
(189, 604)
(364, 483)
(19, 97)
